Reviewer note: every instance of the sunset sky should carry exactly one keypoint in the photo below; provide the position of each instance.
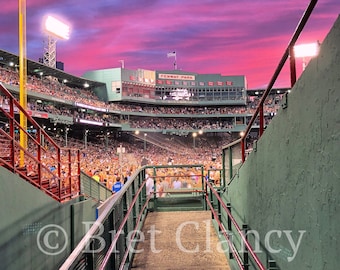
(244, 37)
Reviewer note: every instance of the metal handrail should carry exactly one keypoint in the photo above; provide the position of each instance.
(238, 229)
(226, 236)
(288, 52)
(134, 233)
(37, 160)
(78, 250)
(115, 239)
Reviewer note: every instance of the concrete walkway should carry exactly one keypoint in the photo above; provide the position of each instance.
(179, 240)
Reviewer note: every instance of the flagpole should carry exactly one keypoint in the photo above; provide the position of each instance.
(175, 63)
(173, 54)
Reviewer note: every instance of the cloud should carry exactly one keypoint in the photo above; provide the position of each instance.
(246, 37)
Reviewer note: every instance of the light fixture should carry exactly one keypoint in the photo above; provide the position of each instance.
(57, 28)
(306, 51)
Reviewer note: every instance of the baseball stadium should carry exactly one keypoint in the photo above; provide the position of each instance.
(170, 169)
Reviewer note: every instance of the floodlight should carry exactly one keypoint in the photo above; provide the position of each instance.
(306, 50)
(57, 28)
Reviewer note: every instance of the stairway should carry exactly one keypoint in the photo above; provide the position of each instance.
(181, 240)
(47, 185)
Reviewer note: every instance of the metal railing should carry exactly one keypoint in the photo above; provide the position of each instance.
(243, 263)
(259, 113)
(121, 213)
(124, 214)
(90, 188)
(39, 160)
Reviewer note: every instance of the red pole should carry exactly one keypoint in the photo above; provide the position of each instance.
(261, 115)
(59, 173)
(292, 66)
(243, 150)
(78, 176)
(70, 170)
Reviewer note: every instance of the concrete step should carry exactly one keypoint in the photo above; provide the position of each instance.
(183, 240)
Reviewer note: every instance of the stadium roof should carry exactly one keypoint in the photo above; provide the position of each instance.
(34, 68)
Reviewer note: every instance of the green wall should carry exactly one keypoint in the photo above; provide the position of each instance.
(292, 182)
(110, 77)
(24, 214)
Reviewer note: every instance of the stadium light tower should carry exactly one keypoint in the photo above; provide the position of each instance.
(55, 30)
(306, 51)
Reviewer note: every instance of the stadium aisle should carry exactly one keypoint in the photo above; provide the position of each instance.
(179, 240)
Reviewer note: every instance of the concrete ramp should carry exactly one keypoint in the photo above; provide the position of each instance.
(179, 240)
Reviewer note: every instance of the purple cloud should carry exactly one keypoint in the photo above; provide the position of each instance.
(246, 37)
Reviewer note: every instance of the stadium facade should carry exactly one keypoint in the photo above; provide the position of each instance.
(174, 86)
(215, 103)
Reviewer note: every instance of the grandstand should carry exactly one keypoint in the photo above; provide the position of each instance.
(76, 134)
(75, 116)
(151, 131)
(76, 111)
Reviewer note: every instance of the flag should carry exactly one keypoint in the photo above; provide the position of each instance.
(171, 54)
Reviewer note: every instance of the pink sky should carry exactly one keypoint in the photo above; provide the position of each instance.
(245, 37)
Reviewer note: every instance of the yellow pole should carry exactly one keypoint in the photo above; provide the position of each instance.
(22, 78)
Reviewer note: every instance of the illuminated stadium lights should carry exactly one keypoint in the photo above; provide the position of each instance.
(86, 85)
(306, 50)
(137, 132)
(242, 133)
(57, 28)
(200, 132)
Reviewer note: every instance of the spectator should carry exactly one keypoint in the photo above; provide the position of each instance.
(117, 186)
(149, 185)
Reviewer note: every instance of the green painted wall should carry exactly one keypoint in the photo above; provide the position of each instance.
(112, 77)
(24, 214)
(292, 182)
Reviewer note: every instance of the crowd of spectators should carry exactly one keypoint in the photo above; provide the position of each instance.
(51, 87)
(102, 162)
(181, 124)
